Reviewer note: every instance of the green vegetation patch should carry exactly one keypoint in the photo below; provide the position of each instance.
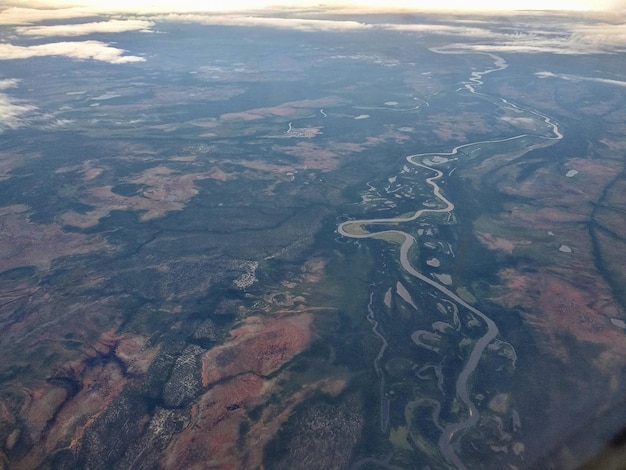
(466, 295)
(391, 237)
(399, 438)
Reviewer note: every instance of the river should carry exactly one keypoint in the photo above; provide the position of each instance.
(357, 229)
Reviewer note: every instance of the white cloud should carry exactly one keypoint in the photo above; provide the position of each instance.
(565, 37)
(82, 50)
(555, 33)
(523, 47)
(29, 13)
(191, 6)
(12, 111)
(568, 36)
(283, 23)
(81, 29)
(578, 78)
(530, 32)
(600, 33)
(440, 29)
(8, 83)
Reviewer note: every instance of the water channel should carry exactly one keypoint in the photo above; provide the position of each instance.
(361, 229)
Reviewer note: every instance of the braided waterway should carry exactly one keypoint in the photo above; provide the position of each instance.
(361, 229)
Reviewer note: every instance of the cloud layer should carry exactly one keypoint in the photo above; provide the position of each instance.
(82, 50)
(29, 13)
(302, 24)
(564, 34)
(578, 78)
(187, 6)
(12, 111)
(82, 29)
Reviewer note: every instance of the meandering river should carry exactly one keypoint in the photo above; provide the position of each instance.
(361, 229)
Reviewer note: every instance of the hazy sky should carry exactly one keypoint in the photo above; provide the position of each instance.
(155, 6)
